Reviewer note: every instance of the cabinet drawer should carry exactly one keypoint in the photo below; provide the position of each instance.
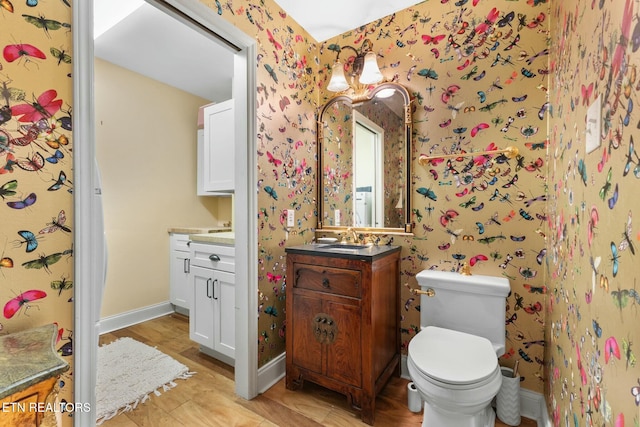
(179, 242)
(327, 279)
(218, 257)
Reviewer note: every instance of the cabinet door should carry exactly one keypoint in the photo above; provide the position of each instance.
(224, 297)
(307, 350)
(218, 148)
(344, 354)
(179, 279)
(201, 323)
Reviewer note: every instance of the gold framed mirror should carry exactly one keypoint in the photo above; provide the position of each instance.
(364, 158)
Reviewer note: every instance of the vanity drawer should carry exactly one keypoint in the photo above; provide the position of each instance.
(327, 279)
(215, 256)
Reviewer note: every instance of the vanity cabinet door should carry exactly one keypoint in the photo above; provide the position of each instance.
(344, 353)
(307, 353)
(179, 294)
(201, 319)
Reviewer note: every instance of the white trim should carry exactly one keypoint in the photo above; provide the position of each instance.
(133, 317)
(272, 372)
(532, 404)
(85, 329)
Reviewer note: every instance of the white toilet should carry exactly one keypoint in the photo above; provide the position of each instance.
(453, 360)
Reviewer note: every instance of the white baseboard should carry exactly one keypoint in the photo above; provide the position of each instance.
(532, 404)
(272, 372)
(128, 318)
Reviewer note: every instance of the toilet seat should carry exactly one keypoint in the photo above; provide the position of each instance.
(454, 359)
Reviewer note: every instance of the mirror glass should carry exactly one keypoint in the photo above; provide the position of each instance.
(364, 153)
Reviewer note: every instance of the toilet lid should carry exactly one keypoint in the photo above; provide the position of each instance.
(452, 357)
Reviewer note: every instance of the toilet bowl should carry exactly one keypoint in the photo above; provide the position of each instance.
(457, 375)
(453, 360)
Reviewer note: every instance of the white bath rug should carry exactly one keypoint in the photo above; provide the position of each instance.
(128, 371)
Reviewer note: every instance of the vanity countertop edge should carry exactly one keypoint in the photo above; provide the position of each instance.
(197, 230)
(223, 237)
(322, 249)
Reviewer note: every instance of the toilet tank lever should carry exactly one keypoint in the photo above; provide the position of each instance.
(428, 292)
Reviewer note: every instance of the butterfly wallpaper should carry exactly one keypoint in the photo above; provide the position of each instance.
(477, 73)
(36, 180)
(483, 74)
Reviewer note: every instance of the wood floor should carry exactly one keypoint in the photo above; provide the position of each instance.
(208, 399)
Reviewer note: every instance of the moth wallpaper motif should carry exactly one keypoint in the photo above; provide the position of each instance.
(556, 220)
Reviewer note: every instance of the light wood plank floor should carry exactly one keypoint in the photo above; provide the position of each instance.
(208, 399)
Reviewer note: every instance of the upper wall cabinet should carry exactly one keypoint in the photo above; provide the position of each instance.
(216, 160)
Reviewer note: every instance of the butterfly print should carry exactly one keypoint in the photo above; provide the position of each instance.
(21, 204)
(12, 52)
(449, 92)
(61, 285)
(43, 108)
(29, 238)
(611, 348)
(44, 261)
(14, 305)
(56, 224)
(8, 189)
(44, 23)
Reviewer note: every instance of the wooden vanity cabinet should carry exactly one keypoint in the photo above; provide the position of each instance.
(342, 323)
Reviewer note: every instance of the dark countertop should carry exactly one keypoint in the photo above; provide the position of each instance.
(27, 358)
(340, 250)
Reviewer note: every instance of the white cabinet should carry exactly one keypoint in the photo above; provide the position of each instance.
(179, 291)
(216, 160)
(212, 283)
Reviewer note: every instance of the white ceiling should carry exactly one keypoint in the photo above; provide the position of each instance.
(328, 18)
(152, 43)
(141, 38)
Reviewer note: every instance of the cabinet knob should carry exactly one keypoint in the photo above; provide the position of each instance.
(214, 257)
(325, 282)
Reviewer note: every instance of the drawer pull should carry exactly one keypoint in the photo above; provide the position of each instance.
(214, 257)
(325, 283)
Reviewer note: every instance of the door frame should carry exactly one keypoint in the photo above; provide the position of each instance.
(85, 208)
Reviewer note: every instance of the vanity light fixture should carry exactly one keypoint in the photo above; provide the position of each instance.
(364, 71)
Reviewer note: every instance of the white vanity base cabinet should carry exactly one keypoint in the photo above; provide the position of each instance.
(212, 286)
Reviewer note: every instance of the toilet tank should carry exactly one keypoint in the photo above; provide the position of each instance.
(473, 304)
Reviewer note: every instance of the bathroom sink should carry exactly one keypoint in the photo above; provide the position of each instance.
(344, 246)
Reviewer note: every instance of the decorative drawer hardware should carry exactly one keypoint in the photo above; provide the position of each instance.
(324, 328)
(338, 281)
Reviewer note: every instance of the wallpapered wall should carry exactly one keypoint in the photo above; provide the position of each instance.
(36, 188)
(478, 77)
(478, 74)
(592, 324)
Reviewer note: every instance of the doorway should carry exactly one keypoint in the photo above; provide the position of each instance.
(190, 12)
(368, 172)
